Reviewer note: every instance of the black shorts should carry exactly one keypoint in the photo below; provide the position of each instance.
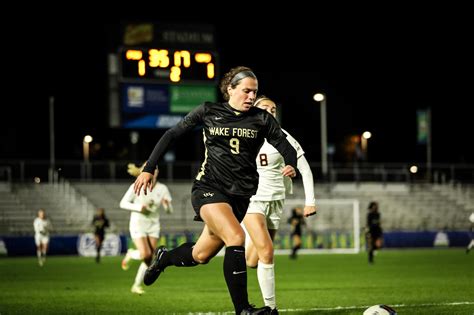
(100, 236)
(202, 195)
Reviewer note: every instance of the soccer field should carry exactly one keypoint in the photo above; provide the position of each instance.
(411, 281)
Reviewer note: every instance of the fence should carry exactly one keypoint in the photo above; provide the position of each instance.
(29, 170)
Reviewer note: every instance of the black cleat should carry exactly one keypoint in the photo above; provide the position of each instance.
(153, 271)
(256, 311)
(274, 312)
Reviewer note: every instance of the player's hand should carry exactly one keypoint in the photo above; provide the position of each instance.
(145, 181)
(144, 210)
(309, 211)
(289, 171)
(166, 205)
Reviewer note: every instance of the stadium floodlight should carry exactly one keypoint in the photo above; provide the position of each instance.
(334, 229)
(85, 146)
(321, 98)
(366, 135)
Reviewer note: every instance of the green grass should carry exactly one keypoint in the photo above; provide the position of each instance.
(413, 281)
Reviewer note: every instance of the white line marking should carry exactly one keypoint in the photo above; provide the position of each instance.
(342, 308)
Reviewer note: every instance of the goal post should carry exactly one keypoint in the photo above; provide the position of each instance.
(334, 229)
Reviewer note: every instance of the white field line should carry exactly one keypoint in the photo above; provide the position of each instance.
(343, 308)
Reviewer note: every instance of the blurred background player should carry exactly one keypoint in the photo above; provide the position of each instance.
(100, 223)
(263, 217)
(42, 227)
(373, 230)
(296, 221)
(471, 234)
(144, 223)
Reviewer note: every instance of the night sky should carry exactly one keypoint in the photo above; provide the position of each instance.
(375, 72)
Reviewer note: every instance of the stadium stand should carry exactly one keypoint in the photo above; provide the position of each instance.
(405, 207)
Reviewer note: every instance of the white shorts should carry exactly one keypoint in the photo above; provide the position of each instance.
(144, 228)
(272, 210)
(41, 239)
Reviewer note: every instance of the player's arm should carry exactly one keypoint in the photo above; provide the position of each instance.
(36, 226)
(127, 202)
(191, 120)
(50, 227)
(307, 176)
(166, 200)
(308, 185)
(277, 138)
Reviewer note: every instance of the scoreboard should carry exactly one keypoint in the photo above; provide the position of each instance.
(161, 72)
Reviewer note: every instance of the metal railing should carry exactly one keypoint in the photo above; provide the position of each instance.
(31, 170)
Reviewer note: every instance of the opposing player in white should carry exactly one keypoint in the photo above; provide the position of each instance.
(471, 234)
(42, 227)
(266, 207)
(144, 223)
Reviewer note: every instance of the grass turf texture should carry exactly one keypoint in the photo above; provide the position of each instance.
(412, 281)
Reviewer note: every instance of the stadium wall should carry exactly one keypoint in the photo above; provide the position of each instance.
(84, 245)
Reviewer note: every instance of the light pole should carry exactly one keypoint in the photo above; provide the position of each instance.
(364, 143)
(85, 146)
(321, 98)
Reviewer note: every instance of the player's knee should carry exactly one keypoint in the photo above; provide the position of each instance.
(235, 239)
(266, 255)
(251, 263)
(201, 257)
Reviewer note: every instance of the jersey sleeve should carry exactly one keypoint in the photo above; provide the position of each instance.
(166, 193)
(36, 226)
(127, 201)
(49, 226)
(189, 122)
(295, 144)
(307, 177)
(277, 138)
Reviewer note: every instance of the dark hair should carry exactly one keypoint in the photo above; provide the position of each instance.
(372, 205)
(232, 79)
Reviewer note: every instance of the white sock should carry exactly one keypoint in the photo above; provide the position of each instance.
(140, 274)
(266, 280)
(38, 253)
(134, 254)
(471, 244)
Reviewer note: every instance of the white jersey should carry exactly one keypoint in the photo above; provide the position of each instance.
(153, 202)
(42, 226)
(272, 185)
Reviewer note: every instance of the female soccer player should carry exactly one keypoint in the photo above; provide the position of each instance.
(374, 234)
(100, 223)
(42, 227)
(144, 223)
(297, 221)
(266, 207)
(233, 133)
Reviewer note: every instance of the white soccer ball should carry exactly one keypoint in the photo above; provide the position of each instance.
(380, 310)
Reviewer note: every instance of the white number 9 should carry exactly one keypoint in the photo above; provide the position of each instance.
(234, 144)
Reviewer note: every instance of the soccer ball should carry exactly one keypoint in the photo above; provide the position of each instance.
(380, 310)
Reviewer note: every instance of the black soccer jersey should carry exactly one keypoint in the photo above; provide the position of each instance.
(373, 222)
(232, 140)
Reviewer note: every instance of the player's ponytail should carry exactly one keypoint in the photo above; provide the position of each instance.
(134, 170)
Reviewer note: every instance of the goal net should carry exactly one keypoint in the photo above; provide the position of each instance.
(334, 229)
